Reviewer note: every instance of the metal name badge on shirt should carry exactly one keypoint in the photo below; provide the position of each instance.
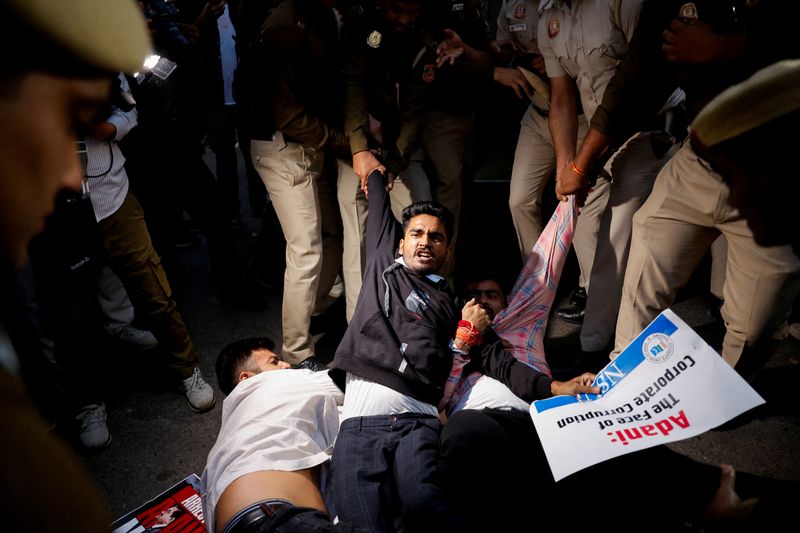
(417, 302)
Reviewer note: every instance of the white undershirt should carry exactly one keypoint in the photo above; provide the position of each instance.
(367, 398)
(488, 393)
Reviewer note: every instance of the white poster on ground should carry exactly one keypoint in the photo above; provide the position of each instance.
(667, 385)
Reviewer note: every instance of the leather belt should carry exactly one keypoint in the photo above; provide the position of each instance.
(254, 513)
(544, 113)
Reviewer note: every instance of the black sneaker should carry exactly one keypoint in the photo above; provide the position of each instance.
(574, 311)
(571, 314)
(313, 364)
(578, 297)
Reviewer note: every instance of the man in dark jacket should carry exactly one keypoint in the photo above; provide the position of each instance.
(298, 87)
(397, 354)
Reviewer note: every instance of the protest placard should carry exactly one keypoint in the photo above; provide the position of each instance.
(176, 510)
(667, 385)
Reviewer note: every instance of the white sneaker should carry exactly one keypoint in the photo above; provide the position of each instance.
(198, 392)
(94, 431)
(138, 338)
(338, 288)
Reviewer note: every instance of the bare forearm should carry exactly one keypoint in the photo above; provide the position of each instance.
(563, 123)
(592, 147)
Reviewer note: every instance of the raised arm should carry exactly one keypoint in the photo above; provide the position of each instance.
(382, 228)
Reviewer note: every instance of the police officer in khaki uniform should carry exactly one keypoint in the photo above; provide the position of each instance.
(297, 156)
(534, 159)
(389, 67)
(535, 156)
(56, 79)
(688, 207)
(582, 43)
(449, 128)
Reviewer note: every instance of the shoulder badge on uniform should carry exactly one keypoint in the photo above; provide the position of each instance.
(374, 39)
(688, 13)
(429, 73)
(553, 27)
(458, 7)
(519, 13)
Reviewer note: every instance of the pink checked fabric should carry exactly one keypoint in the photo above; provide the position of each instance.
(523, 323)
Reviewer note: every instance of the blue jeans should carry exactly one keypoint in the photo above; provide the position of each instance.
(385, 474)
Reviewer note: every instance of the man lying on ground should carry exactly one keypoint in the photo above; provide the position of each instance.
(270, 462)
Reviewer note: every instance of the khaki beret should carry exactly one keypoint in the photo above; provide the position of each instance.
(108, 34)
(770, 93)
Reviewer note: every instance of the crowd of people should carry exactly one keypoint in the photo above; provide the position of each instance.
(359, 124)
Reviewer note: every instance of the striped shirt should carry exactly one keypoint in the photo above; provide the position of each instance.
(105, 170)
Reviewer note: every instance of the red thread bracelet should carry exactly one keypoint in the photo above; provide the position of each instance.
(468, 333)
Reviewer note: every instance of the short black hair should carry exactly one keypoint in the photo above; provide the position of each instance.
(476, 275)
(233, 359)
(433, 209)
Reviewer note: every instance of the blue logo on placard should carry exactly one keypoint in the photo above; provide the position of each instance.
(657, 347)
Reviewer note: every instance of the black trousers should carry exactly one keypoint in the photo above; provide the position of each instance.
(486, 455)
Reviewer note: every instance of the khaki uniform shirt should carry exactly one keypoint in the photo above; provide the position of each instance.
(519, 21)
(387, 76)
(585, 40)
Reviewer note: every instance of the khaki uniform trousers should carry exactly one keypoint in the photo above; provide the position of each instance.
(411, 186)
(132, 258)
(534, 164)
(448, 142)
(633, 169)
(302, 188)
(685, 213)
(448, 139)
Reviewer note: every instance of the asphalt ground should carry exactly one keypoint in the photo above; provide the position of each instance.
(158, 440)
